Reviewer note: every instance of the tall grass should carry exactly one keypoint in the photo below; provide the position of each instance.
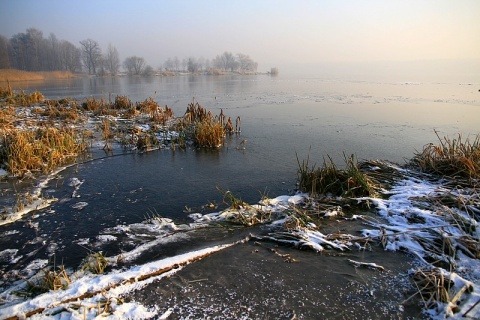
(19, 75)
(329, 179)
(456, 157)
(40, 150)
(19, 97)
(209, 134)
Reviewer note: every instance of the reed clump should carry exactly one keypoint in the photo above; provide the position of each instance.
(50, 280)
(6, 92)
(20, 97)
(329, 179)
(209, 134)
(40, 150)
(456, 157)
(63, 110)
(143, 126)
(99, 107)
(122, 102)
(209, 131)
(95, 263)
(7, 118)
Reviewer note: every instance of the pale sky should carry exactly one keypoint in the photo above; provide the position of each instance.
(273, 32)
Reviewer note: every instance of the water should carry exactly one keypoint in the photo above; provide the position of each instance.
(282, 118)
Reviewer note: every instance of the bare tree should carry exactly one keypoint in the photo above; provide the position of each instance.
(201, 63)
(18, 51)
(112, 60)
(217, 62)
(34, 38)
(4, 49)
(246, 63)
(51, 56)
(148, 71)
(32, 52)
(176, 62)
(228, 61)
(169, 64)
(184, 64)
(134, 65)
(91, 55)
(192, 65)
(70, 57)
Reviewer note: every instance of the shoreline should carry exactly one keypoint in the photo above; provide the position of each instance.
(14, 75)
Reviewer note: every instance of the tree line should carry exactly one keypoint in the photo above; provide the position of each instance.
(31, 51)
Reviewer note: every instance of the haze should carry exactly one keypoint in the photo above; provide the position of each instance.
(437, 36)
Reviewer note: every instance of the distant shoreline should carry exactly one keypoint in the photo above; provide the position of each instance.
(20, 75)
(14, 75)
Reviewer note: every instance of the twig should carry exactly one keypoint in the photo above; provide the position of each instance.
(366, 264)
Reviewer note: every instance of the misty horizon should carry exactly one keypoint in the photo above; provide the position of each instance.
(407, 39)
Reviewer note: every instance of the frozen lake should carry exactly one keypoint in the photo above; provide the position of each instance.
(282, 117)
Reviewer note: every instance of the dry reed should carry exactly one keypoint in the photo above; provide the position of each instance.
(456, 157)
(40, 150)
(348, 182)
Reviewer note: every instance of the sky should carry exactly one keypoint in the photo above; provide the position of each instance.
(275, 33)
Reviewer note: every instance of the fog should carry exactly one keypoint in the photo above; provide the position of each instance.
(427, 38)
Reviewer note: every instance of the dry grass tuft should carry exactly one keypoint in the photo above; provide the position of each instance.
(209, 134)
(329, 179)
(19, 97)
(95, 263)
(122, 102)
(51, 280)
(456, 157)
(40, 150)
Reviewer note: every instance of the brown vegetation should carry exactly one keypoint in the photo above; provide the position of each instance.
(19, 75)
(41, 150)
(39, 135)
(456, 157)
(329, 179)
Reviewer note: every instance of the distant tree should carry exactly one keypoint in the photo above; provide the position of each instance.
(51, 53)
(228, 61)
(70, 57)
(35, 55)
(30, 51)
(91, 55)
(184, 64)
(112, 60)
(246, 63)
(218, 62)
(192, 65)
(169, 65)
(4, 49)
(148, 71)
(207, 64)
(18, 51)
(176, 62)
(134, 65)
(201, 63)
